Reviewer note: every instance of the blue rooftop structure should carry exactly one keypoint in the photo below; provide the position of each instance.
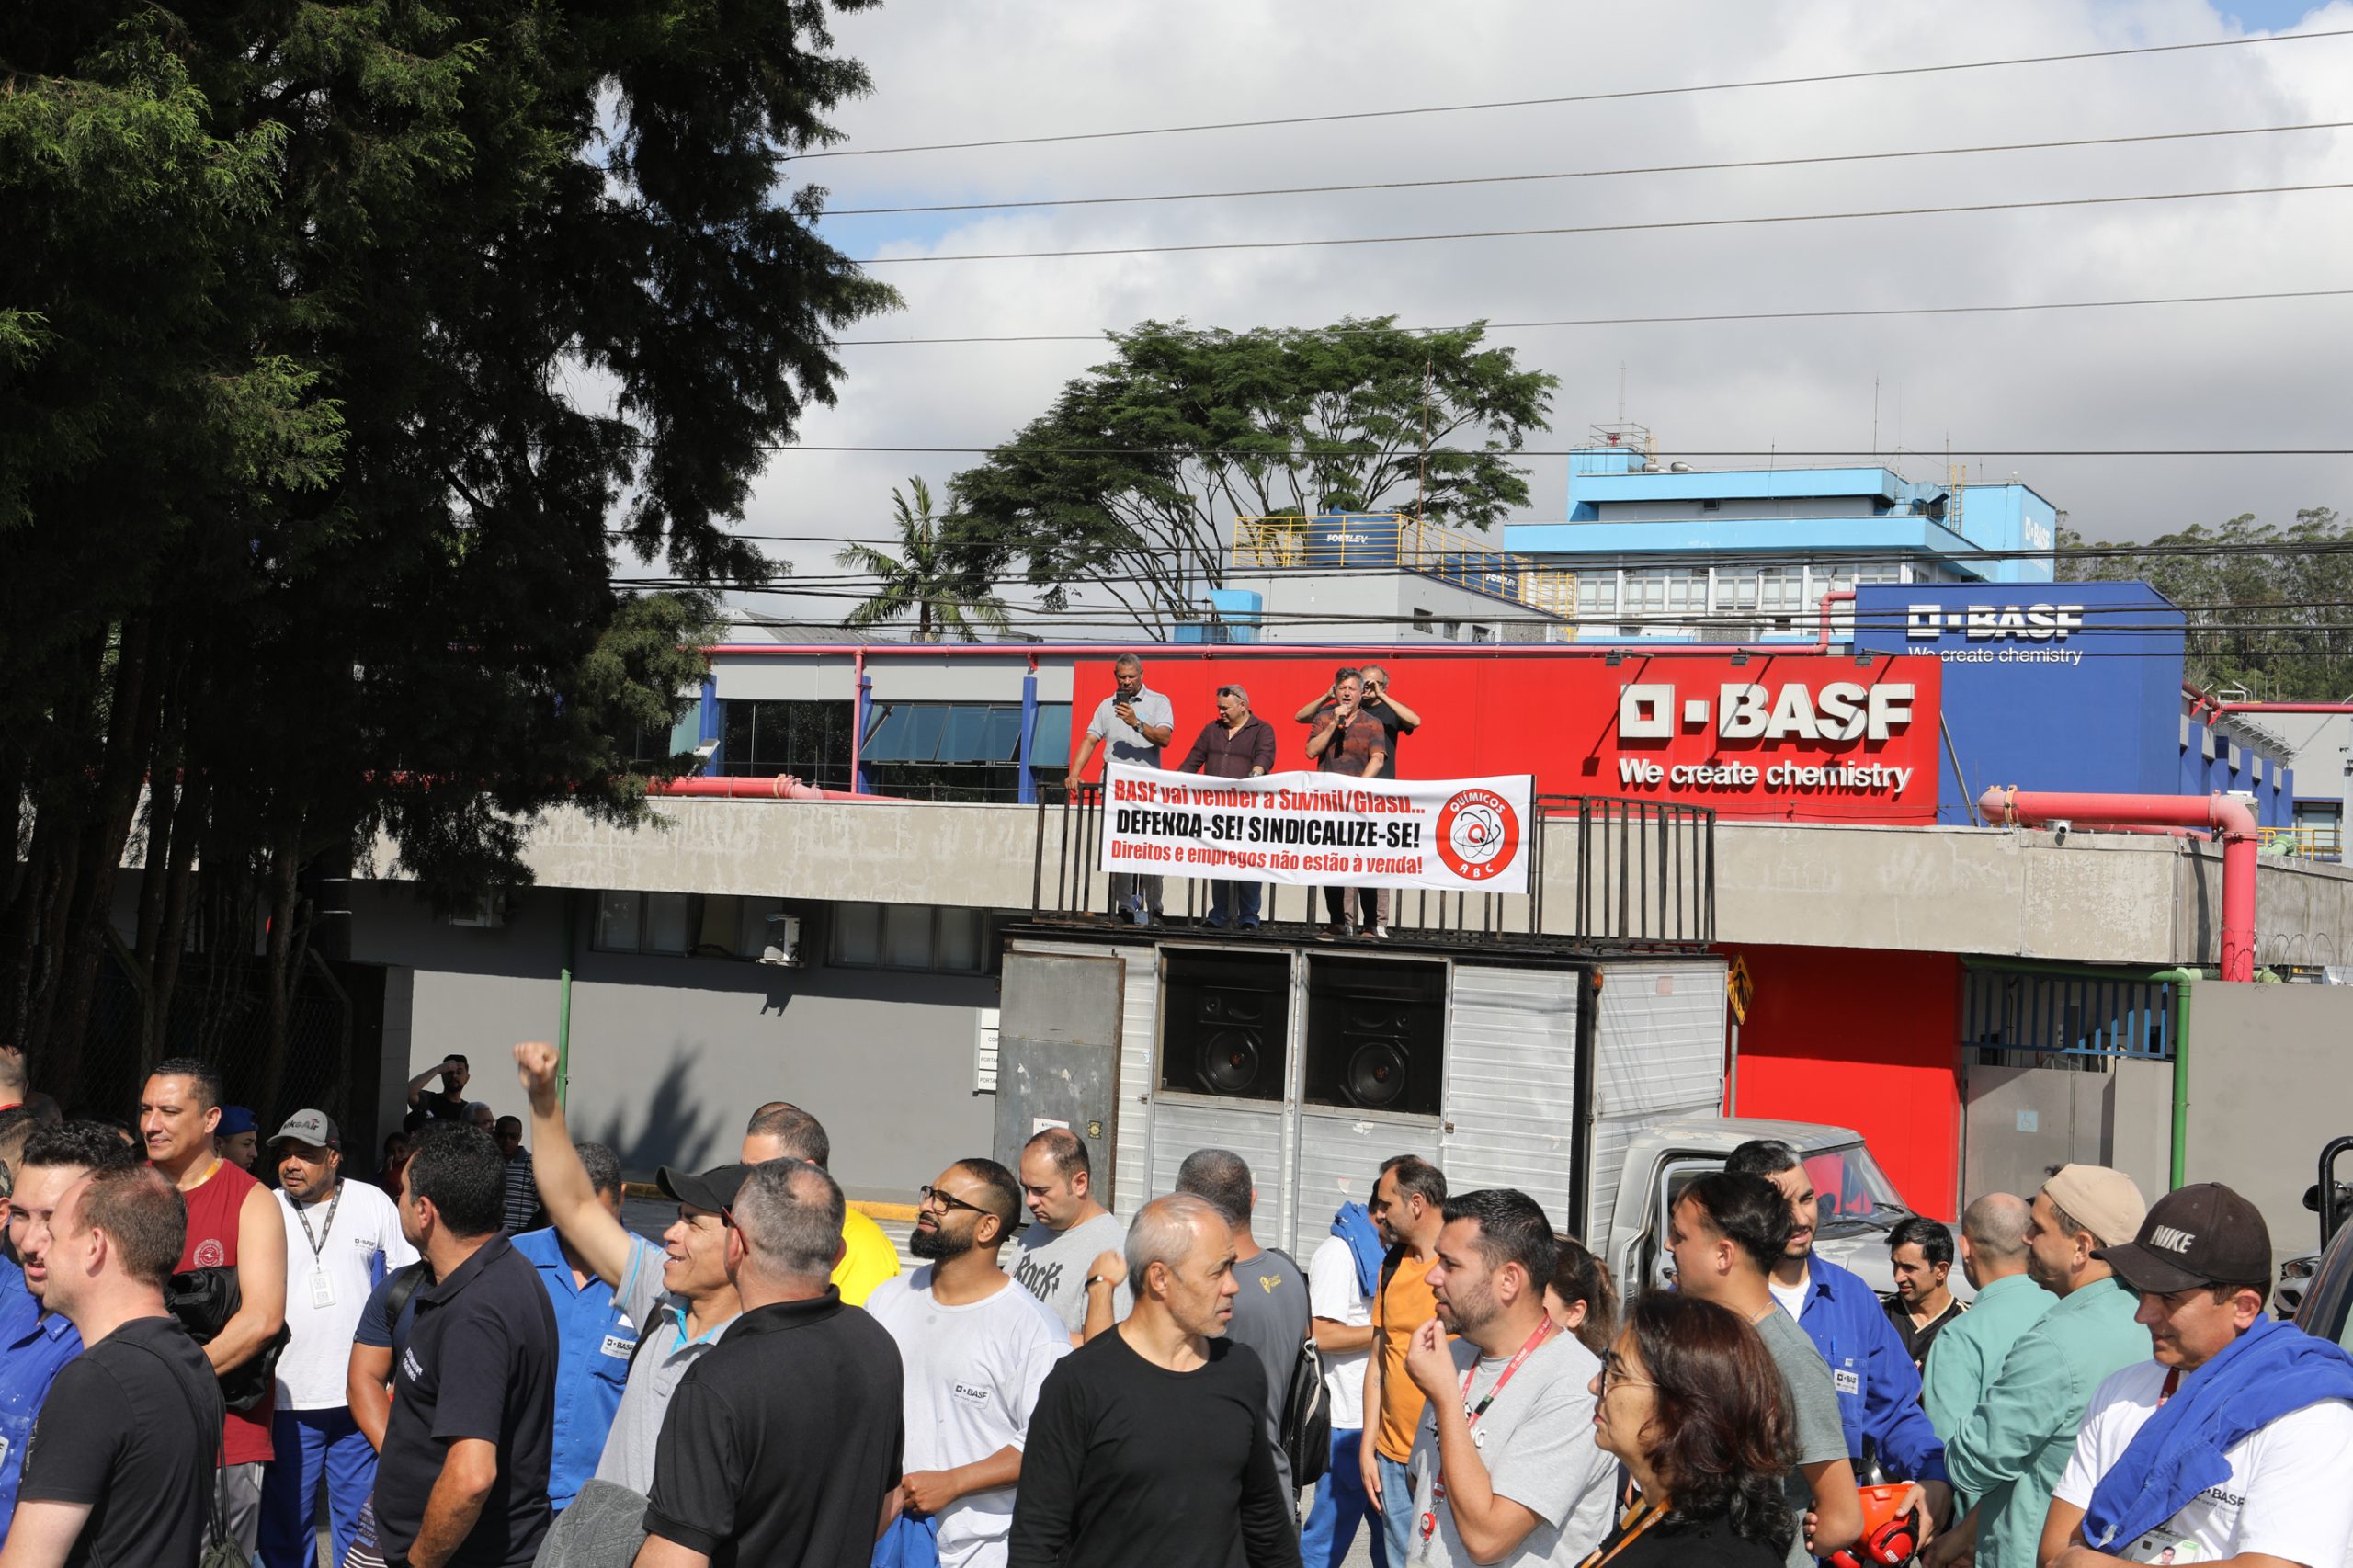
(1748, 552)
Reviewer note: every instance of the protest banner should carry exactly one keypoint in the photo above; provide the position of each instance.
(1319, 829)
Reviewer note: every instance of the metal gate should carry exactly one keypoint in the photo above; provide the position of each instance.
(2060, 1068)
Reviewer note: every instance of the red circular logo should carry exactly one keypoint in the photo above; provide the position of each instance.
(1478, 835)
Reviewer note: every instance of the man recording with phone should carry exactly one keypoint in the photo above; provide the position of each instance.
(1131, 725)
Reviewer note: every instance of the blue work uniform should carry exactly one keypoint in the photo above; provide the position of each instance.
(594, 1340)
(34, 1347)
(1878, 1389)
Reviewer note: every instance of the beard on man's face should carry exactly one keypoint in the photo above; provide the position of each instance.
(940, 1245)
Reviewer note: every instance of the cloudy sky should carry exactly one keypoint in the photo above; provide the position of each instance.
(2265, 374)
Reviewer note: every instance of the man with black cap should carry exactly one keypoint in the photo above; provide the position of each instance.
(679, 1295)
(2229, 1444)
(341, 1238)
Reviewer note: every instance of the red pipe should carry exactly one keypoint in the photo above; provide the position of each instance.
(2231, 821)
(783, 787)
(2283, 708)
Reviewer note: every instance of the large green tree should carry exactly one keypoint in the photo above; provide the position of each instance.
(340, 345)
(1131, 483)
(2267, 606)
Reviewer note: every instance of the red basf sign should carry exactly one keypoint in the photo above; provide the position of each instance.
(1803, 737)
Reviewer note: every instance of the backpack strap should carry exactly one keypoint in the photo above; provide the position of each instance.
(406, 1282)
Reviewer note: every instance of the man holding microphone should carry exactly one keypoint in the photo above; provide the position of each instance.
(1350, 742)
(1132, 723)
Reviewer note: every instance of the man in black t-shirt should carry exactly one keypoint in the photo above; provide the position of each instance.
(782, 1444)
(462, 1478)
(1150, 1443)
(121, 1465)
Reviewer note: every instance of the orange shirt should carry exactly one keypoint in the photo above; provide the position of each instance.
(1404, 1307)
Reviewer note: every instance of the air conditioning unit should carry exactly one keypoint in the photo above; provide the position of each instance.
(783, 945)
(488, 913)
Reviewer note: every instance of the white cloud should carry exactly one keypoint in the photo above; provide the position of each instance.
(2265, 375)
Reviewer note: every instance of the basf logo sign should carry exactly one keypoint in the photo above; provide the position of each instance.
(2071, 686)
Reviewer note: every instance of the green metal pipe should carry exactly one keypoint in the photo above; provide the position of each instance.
(2181, 979)
(563, 1005)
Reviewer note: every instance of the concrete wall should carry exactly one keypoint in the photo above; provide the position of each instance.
(2101, 898)
(2268, 1087)
(670, 1055)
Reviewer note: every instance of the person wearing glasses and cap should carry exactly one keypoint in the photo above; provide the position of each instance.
(977, 1348)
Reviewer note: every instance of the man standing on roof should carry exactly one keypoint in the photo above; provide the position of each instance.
(1238, 744)
(1134, 723)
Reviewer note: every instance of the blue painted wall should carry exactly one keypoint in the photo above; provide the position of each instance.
(2029, 698)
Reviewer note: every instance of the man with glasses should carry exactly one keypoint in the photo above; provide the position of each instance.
(975, 1348)
(679, 1294)
(1238, 744)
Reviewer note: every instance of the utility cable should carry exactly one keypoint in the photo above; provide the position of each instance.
(1104, 333)
(1816, 79)
(1648, 226)
(1052, 202)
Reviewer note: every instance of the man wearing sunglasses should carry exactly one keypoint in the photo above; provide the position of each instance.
(977, 1348)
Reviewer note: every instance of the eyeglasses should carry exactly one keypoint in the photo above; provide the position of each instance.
(946, 1199)
(1613, 1376)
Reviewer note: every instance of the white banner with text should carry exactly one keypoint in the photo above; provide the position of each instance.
(1327, 829)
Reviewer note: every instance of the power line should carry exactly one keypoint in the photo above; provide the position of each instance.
(1099, 336)
(1311, 451)
(1625, 93)
(1582, 174)
(1657, 224)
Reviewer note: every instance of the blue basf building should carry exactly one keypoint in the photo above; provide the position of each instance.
(2068, 685)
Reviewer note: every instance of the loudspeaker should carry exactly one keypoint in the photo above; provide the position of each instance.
(1225, 1024)
(1376, 1035)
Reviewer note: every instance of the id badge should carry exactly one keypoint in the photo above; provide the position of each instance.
(321, 1289)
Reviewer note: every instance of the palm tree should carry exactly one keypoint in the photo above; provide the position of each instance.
(946, 595)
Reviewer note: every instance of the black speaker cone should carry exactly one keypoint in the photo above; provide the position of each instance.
(1229, 1061)
(1376, 1074)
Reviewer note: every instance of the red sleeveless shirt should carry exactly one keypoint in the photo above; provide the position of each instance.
(213, 1210)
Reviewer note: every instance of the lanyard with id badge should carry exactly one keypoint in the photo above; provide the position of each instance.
(1470, 1418)
(321, 1288)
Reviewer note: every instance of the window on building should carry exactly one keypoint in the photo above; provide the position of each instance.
(909, 937)
(961, 750)
(809, 739)
(677, 925)
(1736, 587)
(1482, 634)
(1878, 572)
(1597, 593)
(1645, 591)
(1686, 588)
(1425, 623)
(1781, 590)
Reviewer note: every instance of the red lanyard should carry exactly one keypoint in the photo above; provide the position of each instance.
(1471, 1413)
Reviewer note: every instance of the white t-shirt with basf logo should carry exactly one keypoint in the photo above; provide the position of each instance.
(972, 1373)
(326, 1287)
(2285, 1498)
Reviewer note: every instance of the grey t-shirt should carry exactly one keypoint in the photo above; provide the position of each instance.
(1270, 1317)
(1814, 1407)
(1124, 742)
(654, 1374)
(1537, 1443)
(1051, 1265)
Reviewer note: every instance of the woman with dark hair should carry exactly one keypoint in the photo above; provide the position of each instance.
(1579, 1298)
(1689, 1399)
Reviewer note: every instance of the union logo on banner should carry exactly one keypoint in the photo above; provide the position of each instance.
(1478, 835)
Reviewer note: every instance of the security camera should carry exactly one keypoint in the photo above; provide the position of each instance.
(2059, 831)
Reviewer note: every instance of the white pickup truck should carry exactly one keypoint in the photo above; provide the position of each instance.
(1592, 1083)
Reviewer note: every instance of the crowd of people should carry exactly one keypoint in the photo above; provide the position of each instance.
(195, 1364)
(1353, 727)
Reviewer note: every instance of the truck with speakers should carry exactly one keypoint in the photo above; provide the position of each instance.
(1593, 1082)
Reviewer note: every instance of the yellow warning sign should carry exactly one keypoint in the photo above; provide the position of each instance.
(1739, 989)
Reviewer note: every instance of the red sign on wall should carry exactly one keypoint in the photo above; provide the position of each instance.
(1803, 737)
